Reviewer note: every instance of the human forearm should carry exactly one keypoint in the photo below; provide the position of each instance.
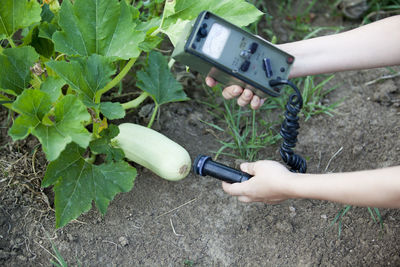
(373, 45)
(375, 188)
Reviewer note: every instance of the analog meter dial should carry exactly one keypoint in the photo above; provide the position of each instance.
(216, 41)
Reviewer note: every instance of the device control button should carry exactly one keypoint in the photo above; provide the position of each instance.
(202, 32)
(253, 48)
(267, 67)
(289, 60)
(245, 66)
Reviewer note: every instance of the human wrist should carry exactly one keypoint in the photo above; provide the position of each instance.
(291, 185)
(298, 185)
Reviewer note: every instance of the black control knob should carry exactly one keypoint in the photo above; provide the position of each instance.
(253, 48)
(245, 66)
(202, 32)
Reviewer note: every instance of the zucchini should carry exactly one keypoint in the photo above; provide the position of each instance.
(153, 151)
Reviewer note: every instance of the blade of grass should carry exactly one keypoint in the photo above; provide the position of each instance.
(378, 214)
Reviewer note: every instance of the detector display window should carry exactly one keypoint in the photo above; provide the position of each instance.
(216, 41)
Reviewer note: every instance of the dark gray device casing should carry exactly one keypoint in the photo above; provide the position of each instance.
(245, 59)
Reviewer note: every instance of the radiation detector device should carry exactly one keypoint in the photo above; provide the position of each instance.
(217, 48)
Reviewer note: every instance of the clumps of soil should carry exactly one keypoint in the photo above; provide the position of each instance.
(23, 204)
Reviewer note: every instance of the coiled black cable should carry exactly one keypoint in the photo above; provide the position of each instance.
(289, 128)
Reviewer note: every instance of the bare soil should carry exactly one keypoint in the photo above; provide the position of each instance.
(193, 222)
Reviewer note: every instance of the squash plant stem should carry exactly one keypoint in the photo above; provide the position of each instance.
(153, 116)
(11, 42)
(116, 79)
(135, 102)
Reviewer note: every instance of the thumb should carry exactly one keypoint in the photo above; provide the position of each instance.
(248, 167)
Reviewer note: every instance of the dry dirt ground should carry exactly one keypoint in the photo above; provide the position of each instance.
(192, 222)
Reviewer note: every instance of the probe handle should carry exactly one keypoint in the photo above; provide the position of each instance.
(204, 165)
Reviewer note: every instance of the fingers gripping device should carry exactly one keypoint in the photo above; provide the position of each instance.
(215, 47)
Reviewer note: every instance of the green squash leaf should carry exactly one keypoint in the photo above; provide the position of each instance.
(47, 15)
(87, 76)
(103, 144)
(52, 86)
(104, 27)
(157, 80)
(18, 14)
(112, 111)
(15, 69)
(47, 30)
(110, 132)
(77, 183)
(151, 41)
(5, 101)
(179, 12)
(33, 106)
(43, 46)
(54, 129)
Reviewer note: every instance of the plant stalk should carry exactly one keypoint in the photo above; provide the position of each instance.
(96, 123)
(153, 116)
(91, 159)
(116, 79)
(11, 42)
(156, 31)
(135, 102)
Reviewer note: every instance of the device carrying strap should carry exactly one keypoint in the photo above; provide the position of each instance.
(289, 129)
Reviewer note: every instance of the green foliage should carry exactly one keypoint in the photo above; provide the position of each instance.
(15, 69)
(339, 218)
(38, 38)
(54, 127)
(342, 212)
(57, 63)
(24, 14)
(52, 87)
(313, 94)
(60, 262)
(77, 183)
(178, 13)
(84, 34)
(112, 110)
(246, 131)
(87, 76)
(381, 8)
(378, 218)
(158, 81)
(103, 145)
(188, 263)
